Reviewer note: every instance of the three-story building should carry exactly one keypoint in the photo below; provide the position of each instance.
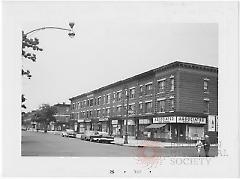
(174, 102)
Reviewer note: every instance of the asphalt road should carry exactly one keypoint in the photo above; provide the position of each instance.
(44, 144)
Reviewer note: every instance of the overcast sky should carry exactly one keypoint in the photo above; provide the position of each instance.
(113, 41)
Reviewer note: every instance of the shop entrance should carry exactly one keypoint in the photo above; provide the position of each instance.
(178, 132)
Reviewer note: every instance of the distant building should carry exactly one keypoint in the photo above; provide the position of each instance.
(175, 102)
(62, 117)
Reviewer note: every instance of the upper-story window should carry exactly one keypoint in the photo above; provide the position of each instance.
(131, 109)
(148, 107)
(119, 95)
(107, 111)
(149, 88)
(205, 85)
(140, 90)
(172, 105)
(118, 110)
(161, 86)
(206, 108)
(172, 84)
(98, 112)
(85, 103)
(161, 106)
(108, 98)
(140, 107)
(98, 100)
(91, 102)
(114, 96)
(132, 93)
(90, 113)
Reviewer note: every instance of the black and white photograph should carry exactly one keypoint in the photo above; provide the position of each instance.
(110, 88)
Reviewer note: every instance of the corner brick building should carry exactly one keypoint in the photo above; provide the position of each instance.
(175, 102)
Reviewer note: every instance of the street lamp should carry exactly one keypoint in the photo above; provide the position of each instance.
(126, 132)
(70, 30)
(33, 44)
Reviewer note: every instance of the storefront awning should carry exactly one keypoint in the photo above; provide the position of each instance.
(155, 126)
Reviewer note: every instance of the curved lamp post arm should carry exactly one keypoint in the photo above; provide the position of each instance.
(70, 30)
(43, 28)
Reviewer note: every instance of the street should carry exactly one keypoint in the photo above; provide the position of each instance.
(45, 144)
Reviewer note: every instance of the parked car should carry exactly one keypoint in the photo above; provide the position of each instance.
(69, 133)
(105, 137)
(89, 135)
(97, 136)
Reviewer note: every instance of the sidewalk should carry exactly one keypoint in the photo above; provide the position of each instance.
(146, 143)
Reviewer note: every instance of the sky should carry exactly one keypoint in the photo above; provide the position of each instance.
(113, 41)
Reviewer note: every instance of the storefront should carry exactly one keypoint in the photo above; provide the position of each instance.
(81, 126)
(116, 129)
(142, 132)
(131, 127)
(88, 125)
(194, 127)
(104, 124)
(177, 128)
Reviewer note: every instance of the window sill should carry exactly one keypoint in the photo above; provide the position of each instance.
(161, 112)
(171, 111)
(206, 92)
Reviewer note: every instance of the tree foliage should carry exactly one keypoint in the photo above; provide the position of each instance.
(45, 115)
(28, 44)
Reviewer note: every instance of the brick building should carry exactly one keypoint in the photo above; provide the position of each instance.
(175, 102)
(62, 117)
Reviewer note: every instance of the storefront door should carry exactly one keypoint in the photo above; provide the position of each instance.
(178, 132)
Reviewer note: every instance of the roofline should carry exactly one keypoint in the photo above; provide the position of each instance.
(152, 72)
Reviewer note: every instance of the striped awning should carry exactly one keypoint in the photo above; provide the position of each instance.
(155, 126)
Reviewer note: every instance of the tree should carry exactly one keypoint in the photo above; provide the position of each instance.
(28, 44)
(45, 115)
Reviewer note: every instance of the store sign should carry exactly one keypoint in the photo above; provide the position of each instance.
(80, 120)
(87, 120)
(114, 121)
(191, 120)
(130, 122)
(212, 123)
(144, 121)
(167, 119)
(103, 119)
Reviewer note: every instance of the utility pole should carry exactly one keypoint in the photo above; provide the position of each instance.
(126, 132)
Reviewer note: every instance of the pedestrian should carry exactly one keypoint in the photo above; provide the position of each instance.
(206, 145)
(199, 145)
